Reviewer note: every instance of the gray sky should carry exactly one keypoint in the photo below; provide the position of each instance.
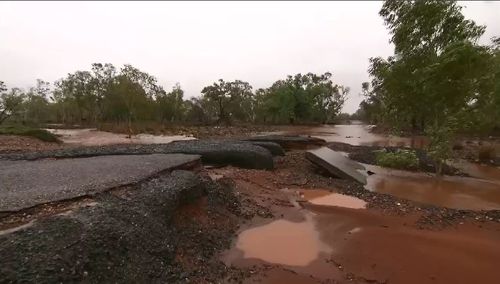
(196, 43)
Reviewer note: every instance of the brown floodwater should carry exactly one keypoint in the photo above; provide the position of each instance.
(283, 242)
(328, 198)
(354, 134)
(94, 137)
(447, 191)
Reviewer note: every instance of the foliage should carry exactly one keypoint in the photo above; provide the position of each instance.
(230, 99)
(439, 80)
(10, 102)
(301, 98)
(41, 134)
(399, 159)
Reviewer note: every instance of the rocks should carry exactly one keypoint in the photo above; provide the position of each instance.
(217, 152)
(289, 142)
(336, 164)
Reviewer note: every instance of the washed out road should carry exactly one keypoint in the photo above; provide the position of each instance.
(24, 184)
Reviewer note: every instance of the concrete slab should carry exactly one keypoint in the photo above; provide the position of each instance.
(24, 184)
(337, 164)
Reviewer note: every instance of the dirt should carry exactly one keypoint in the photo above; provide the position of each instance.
(16, 144)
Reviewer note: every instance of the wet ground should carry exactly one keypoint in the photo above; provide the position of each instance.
(94, 137)
(317, 235)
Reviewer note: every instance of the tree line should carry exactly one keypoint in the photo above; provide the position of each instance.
(127, 95)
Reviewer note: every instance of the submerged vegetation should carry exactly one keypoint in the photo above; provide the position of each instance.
(399, 159)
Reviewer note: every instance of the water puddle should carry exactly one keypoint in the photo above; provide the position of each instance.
(327, 198)
(283, 242)
(447, 191)
(93, 137)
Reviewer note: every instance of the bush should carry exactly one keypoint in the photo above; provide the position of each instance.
(399, 159)
(40, 134)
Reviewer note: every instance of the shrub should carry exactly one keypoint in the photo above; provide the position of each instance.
(399, 159)
(40, 134)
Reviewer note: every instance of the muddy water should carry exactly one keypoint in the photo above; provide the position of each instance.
(447, 191)
(93, 137)
(354, 134)
(283, 242)
(327, 198)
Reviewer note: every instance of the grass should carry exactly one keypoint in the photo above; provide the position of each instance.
(20, 130)
(399, 159)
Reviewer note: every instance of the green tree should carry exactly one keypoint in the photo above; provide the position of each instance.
(10, 102)
(230, 99)
(171, 105)
(437, 73)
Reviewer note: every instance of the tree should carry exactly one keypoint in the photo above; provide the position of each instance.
(301, 98)
(437, 73)
(10, 102)
(171, 105)
(229, 99)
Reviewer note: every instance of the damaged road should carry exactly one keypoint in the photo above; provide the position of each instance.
(24, 184)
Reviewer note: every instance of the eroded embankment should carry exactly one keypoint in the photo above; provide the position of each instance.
(142, 233)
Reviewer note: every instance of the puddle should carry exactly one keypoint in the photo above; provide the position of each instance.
(283, 242)
(448, 191)
(327, 198)
(93, 137)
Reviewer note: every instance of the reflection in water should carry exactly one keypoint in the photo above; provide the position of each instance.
(283, 242)
(354, 134)
(327, 198)
(478, 170)
(448, 191)
(93, 137)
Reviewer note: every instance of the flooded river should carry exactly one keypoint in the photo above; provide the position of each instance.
(354, 134)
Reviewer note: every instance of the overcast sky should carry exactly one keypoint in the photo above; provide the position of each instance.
(196, 43)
